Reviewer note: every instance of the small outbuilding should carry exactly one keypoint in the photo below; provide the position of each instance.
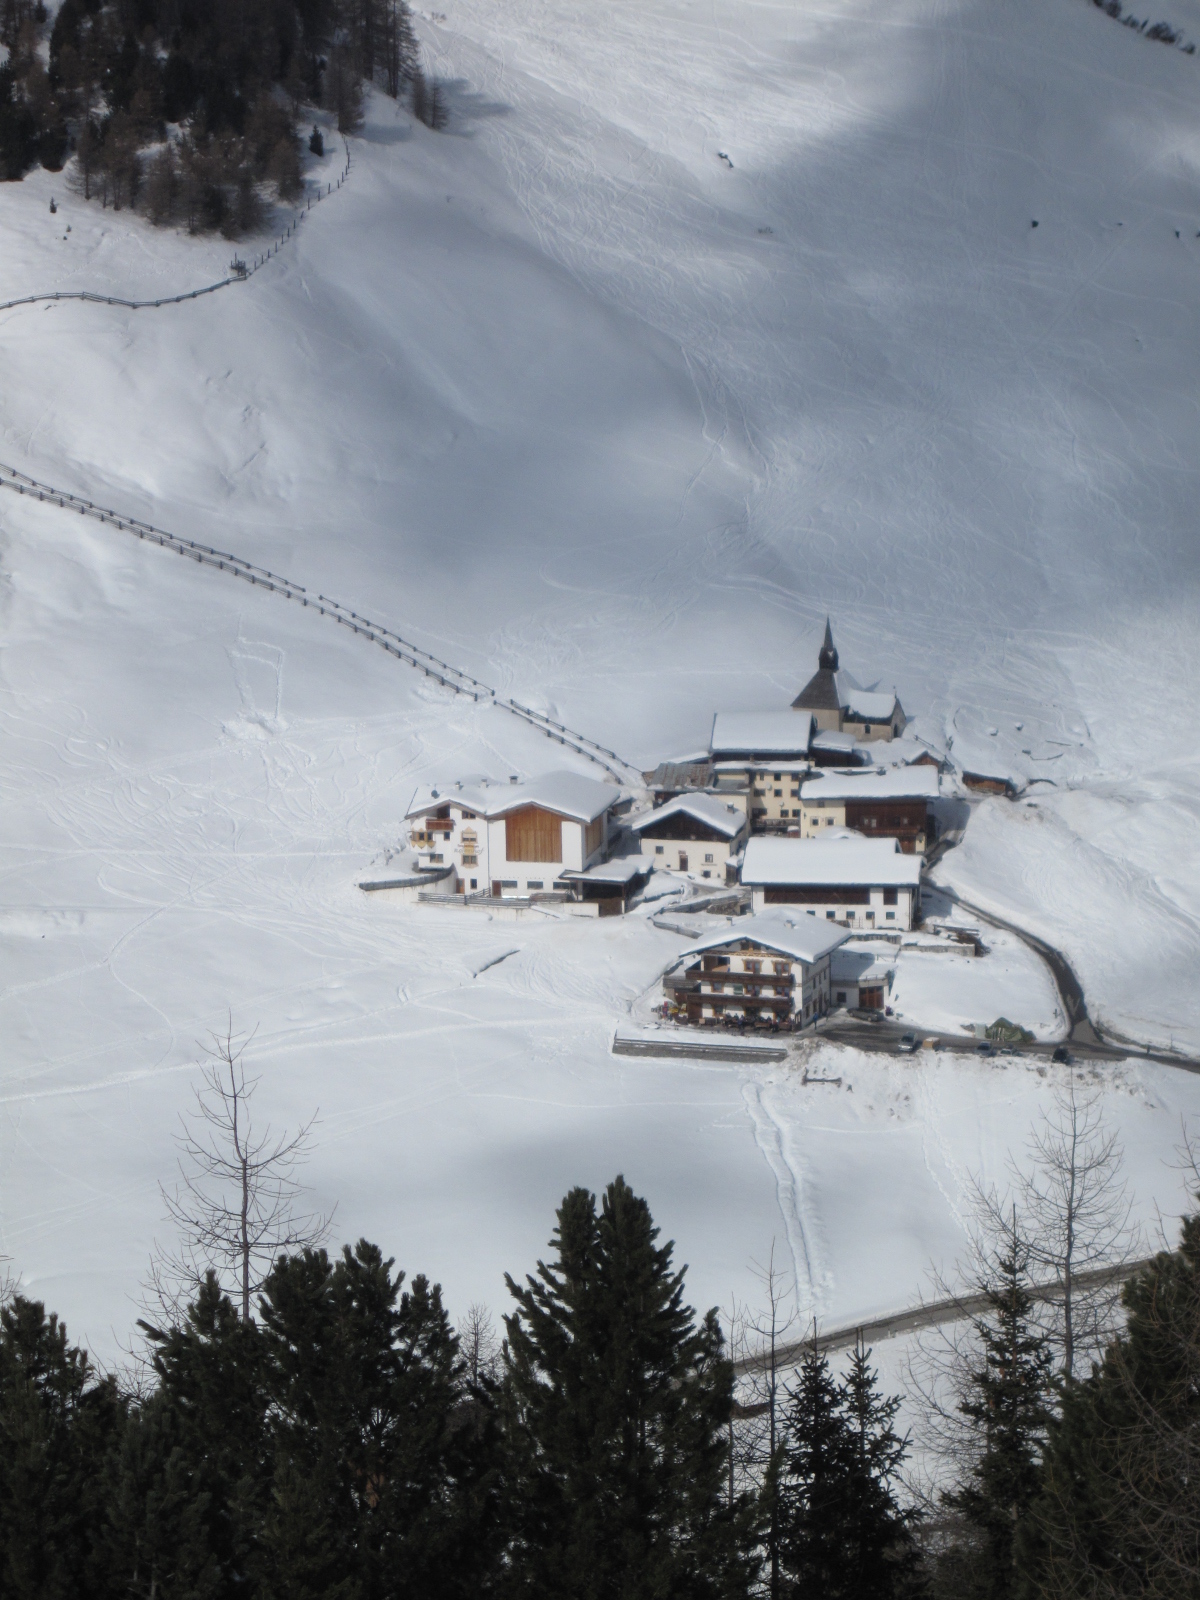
(770, 970)
(694, 833)
(860, 883)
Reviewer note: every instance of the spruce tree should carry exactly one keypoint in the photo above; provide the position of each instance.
(58, 1424)
(819, 1462)
(615, 1405)
(1119, 1512)
(188, 1495)
(385, 1462)
(1007, 1388)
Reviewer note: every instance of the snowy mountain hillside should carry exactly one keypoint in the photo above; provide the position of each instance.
(699, 323)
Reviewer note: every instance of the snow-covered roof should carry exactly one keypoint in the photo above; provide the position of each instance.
(792, 933)
(849, 965)
(567, 793)
(622, 870)
(469, 796)
(875, 863)
(830, 739)
(898, 783)
(767, 733)
(870, 707)
(707, 808)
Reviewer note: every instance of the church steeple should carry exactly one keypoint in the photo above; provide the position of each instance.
(827, 661)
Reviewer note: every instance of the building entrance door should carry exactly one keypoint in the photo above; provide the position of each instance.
(683, 864)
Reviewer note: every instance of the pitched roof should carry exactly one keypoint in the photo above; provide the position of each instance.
(708, 808)
(792, 933)
(568, 794)
(897, 783)
(469, 795)
(829, 863)
(765, 733)
(869, 706)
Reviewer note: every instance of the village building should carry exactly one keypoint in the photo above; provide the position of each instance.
(839, 703)
(860, 978)
(771, 970)
(764, 757)
(893, 803)
(513, 839)
(860, 883)
(693, 833)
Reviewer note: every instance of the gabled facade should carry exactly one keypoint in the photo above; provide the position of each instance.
(839, 703)
(771, 970)
(514, 839)
(694, 833)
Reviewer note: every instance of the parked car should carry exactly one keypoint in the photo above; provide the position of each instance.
(908, 1043)
(1061, 1053)
(985, 1048)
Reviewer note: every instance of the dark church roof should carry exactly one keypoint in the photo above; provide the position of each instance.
(820, 693)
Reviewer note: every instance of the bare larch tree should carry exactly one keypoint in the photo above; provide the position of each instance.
(1076, 1211)
(238, 1203)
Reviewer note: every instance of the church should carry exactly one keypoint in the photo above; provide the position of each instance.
(839, 704)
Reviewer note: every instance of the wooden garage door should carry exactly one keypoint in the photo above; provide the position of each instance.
(532, 834)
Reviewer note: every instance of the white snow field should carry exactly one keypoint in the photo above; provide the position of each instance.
(613, 420)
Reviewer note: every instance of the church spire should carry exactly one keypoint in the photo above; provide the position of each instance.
(827, 661)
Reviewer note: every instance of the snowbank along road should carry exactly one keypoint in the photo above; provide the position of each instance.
(610, 423)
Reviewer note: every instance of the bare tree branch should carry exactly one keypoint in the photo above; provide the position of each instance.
(237, 1204)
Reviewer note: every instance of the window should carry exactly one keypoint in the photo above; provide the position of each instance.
(891, 897)
(536, 883)
(867, 728)
(474, 883)
(795, 794)
(659, 849)
(829, 916)
(508, 883)
(778, 793)
(829, 822)
(435, 855)
(737, 988)
(813, 913)
(841, 997)
(779, 777)
(891, 916)
(706, 873)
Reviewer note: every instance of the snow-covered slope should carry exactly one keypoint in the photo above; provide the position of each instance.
(612, 419)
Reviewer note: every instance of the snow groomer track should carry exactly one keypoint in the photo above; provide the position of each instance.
(412, 655)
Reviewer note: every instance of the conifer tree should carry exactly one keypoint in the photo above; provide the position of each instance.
(58, 1423)
(1119, 1513)
(615, 1406)
(384, 1462)
(1005, 1398)
(819, 1462)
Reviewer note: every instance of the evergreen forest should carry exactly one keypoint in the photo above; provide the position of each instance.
(344, 1441)
(191, 110)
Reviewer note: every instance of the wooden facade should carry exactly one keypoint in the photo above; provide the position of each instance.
(905, 820)
(532, 834)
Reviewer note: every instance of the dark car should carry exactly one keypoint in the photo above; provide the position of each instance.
(985, 1048)
(1061, 1054)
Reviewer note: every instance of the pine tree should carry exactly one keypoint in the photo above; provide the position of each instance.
(384, 1463)
(1120, 1509)
(188, 1495)
(819, 1463)
(58, 1423)
(1006, 1401)
(881, 1557)
(615, 1406)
